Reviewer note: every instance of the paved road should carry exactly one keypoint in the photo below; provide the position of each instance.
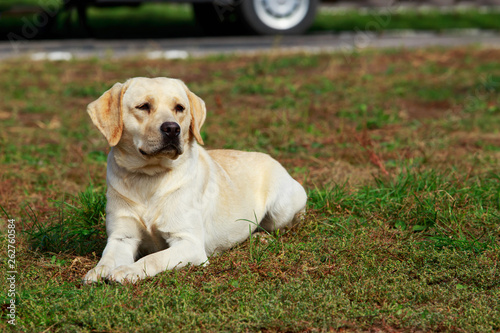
(196, 47)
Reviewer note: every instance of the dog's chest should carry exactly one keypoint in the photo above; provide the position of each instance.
(157, 203)
(158, 210)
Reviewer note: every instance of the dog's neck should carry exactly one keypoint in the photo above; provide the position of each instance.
(122, 179)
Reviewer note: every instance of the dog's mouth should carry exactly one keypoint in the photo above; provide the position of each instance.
(169, 150)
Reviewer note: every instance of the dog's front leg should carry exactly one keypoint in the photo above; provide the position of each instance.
(181, 252)
(121, 249)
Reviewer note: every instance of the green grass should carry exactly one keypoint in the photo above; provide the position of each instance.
(399, 153)
(80, 229)
(393, 19)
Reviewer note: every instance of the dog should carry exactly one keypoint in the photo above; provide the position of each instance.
(170, 202)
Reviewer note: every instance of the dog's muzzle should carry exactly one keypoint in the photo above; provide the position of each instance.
(170, 146)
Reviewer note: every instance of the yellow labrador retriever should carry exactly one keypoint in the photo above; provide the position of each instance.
(169, 201)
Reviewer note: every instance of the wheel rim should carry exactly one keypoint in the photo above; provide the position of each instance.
(281, 14)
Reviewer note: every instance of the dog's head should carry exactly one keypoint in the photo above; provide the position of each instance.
(149, 119)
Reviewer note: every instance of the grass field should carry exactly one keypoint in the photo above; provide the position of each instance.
(174, 20)
(399, 152)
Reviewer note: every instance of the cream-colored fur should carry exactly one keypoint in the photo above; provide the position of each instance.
(169, 201)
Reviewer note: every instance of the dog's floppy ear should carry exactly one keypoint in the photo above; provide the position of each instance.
(198, 113)
(106, 113)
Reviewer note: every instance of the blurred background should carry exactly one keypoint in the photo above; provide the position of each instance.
(116, 19)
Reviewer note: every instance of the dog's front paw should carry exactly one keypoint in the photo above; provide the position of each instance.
(126, 274)
(97, 274)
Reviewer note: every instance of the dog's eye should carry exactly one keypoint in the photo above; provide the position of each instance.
(144, 107)
(179, 108)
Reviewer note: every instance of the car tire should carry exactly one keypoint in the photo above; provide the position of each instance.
(277, 17)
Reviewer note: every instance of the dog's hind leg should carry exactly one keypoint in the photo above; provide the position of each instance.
(286, 206)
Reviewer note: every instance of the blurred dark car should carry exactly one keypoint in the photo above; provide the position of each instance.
(263, 17)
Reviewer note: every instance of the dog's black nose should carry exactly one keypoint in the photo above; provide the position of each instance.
(170, 129)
